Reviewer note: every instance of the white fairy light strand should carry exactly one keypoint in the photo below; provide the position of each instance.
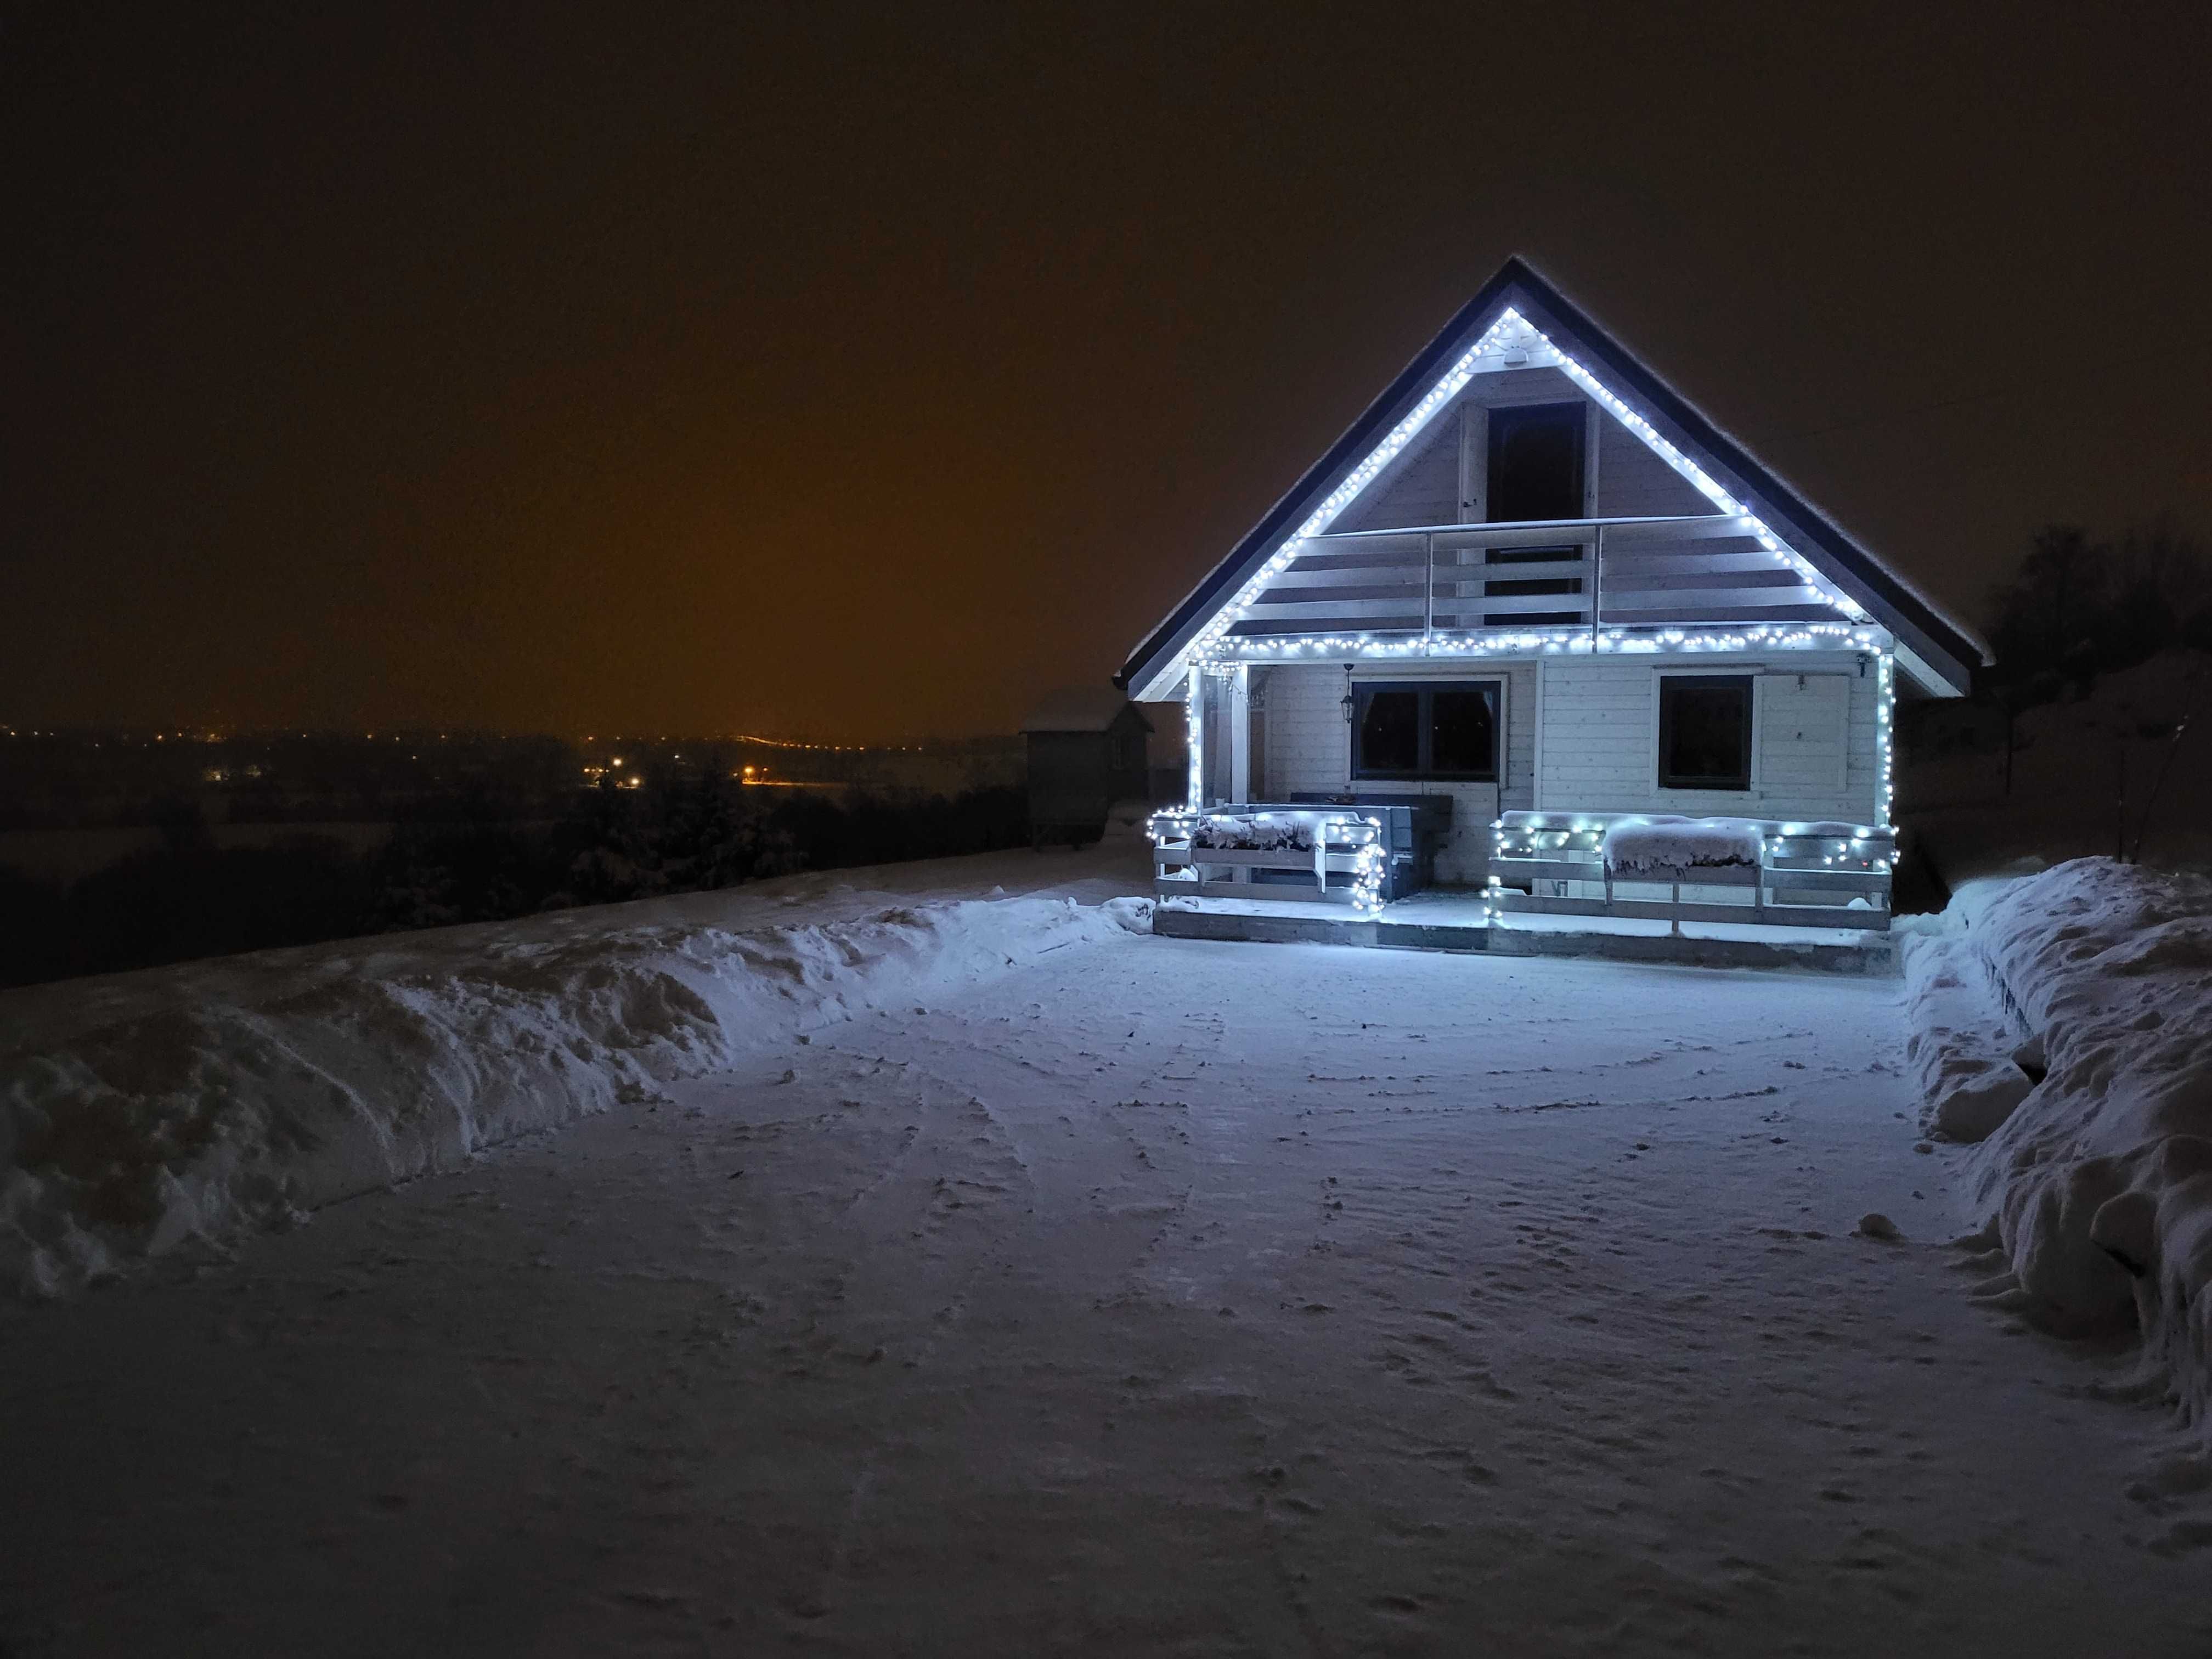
(1763, 636)
(1214, 649)
(1699, 479)
(1885, 734)
(1510, 322)
(1337, 833)
(1360, 476)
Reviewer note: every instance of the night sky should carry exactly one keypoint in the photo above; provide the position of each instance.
(864, 372)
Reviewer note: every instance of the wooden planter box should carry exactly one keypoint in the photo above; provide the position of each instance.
(1788, 887)
(1181, 871)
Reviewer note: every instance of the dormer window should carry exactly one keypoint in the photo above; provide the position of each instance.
(1536, 462)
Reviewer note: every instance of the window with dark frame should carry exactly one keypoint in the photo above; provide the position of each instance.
(1446, 732)
(1705, 730)
(1536, 462)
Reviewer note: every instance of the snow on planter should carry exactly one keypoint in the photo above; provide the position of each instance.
(2100, 1179)
(1661, 844)
(142, 1110)
(1256, 832)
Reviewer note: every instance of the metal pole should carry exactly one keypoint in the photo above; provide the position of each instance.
(1597, 584)
(1428, 593)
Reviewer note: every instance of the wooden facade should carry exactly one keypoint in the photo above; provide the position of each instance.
(1533, 578)
(1086, 751)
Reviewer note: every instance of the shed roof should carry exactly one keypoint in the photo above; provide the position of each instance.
(1081, 709)
(1938, 651)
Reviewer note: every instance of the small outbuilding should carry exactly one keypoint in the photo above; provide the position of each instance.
(1086, 751)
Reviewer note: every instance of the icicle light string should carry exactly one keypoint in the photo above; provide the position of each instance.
(1510, 325)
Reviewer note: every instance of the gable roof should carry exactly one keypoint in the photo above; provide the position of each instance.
(1934, 649)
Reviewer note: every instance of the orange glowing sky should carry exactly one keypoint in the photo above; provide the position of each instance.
(864, 372)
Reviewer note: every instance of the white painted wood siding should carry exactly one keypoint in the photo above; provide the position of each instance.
(1422, 487)
(1309, 747)
(1601, 733)
(1633, 483)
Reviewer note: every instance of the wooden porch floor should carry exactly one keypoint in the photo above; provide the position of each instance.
(1445, 918)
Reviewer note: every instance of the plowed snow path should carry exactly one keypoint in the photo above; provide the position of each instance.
(1162, 1298)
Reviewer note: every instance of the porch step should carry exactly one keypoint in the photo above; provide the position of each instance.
(1868, 954)
(1350, 928)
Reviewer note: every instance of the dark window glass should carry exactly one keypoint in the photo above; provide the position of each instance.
(1534, 585)
(1704, 731)
(1390, 732)
(1536, 462)
(1570, 554)
(1461, 739)
(1425, 731)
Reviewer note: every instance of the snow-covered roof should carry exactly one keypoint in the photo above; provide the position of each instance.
(1079, 708)
(1936, 650)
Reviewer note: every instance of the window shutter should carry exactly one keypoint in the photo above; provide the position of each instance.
(1804, 733)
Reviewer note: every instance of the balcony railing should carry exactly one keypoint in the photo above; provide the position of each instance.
(1617, 572)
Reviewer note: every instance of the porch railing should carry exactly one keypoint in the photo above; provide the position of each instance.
(1331, 856)
(1808, 875)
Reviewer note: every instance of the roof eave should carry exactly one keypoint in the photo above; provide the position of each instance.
(1156, 656)
(1939, 654)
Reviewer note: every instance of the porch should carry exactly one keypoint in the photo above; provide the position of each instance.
(1462, 920)
(1647, 887)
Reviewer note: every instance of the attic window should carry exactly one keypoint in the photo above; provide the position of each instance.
(1536, 462)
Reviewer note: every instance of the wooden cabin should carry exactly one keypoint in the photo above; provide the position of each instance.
(1540, 602)
(1086, 751)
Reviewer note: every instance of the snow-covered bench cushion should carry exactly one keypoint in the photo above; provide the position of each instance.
(1650, 845)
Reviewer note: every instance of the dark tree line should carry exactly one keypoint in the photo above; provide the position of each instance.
(686, 831)
(2080, 607)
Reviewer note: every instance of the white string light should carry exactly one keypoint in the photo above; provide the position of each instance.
(1215, 649)
(1509, 324)
(1334, 833)
(1765, 636)
(1885, 726)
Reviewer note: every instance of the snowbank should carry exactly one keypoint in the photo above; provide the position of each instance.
(1960, 1043)
(140, 1111)
(2100, 1178)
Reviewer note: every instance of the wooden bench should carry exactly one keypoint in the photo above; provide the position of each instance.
(1341, 842)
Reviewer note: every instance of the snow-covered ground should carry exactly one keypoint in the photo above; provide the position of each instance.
(1134, 1296)
(143, 1112)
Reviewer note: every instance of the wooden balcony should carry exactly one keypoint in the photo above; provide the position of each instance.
(1593, 573)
